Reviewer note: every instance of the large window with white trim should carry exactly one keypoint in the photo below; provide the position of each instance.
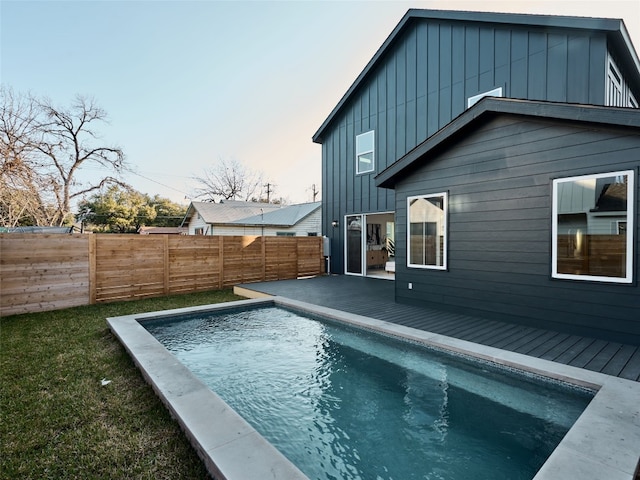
(365, 152)
(427, 231)
(592, 228)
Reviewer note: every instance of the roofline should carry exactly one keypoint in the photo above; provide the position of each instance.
(607, 116)
(311, 212)
(614, 28)
(187, 214)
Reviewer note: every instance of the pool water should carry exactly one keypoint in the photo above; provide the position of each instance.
(344, 403)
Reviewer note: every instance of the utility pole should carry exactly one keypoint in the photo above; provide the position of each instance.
(269, 190)
(314, 192)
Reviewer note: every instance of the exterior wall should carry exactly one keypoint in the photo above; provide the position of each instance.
(196, 221)
(424, 81)
(499, 178)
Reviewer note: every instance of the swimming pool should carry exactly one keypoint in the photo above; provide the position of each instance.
(349, 404)
(234, 450)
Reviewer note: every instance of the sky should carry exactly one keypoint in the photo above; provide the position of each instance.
(188, 83)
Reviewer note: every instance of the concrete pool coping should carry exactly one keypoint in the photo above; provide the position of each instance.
(603, 443)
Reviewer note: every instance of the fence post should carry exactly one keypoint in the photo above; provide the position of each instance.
(221, 260)
(165, 286)
(92, 268)
(263, 242)
(297, 258)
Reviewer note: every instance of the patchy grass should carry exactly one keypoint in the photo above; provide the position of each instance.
(56, 418)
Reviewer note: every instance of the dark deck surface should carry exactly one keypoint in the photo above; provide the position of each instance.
(374, 298)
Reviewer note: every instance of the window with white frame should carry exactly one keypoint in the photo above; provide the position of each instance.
(592, 228)
(618, 93)
(427, 231)
(365, 152)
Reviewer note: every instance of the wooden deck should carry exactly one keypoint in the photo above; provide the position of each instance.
(375, 298)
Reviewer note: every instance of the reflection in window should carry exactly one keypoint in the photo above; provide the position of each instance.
(427, 231)
(592, 227)
(365, 146)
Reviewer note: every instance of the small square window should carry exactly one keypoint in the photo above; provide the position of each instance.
(592, 230)
(365, 152)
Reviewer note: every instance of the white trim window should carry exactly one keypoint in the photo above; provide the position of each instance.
(365, 152)
(427, 231)
(496, 92)
(592, 228)
(618, 93)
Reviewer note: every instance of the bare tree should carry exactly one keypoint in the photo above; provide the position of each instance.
(228, 180)
(43, 149)
(20, 186)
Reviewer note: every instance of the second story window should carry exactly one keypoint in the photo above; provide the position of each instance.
(365, 152)
(618, 92)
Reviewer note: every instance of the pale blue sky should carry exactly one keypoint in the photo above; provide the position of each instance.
(188, 82)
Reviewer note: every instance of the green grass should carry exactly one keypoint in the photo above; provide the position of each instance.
(57, 421)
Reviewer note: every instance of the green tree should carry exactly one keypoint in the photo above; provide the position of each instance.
(168, 213)
(125, 210)
(118, 210)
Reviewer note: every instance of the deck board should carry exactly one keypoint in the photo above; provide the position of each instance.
(375, 298)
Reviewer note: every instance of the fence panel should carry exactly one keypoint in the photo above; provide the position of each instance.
(48, 272)
(43, 272)
(129, 267)
(194, 263)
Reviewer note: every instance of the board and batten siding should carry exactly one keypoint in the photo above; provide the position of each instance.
(423, 82)
(499, 179)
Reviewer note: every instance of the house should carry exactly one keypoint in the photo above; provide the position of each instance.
(524, 211)
(521, 208)
(231, 217)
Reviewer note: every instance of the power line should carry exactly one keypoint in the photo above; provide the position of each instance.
(159, 183)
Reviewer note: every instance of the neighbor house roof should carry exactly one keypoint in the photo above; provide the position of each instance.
(162, 230)
(287, 216)
(614, 29)
(37, 229)
(226, 211)
(489, 106)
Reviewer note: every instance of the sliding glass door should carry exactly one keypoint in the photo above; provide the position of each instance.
(353, 245)
(369, 246)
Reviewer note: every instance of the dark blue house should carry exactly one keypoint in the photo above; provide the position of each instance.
(520, 207)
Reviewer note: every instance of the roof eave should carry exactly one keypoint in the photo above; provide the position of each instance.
(614, 28)
(611, 116)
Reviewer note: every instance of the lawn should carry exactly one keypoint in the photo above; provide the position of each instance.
(58, 420)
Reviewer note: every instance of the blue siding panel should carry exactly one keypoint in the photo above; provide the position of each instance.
(499, 181)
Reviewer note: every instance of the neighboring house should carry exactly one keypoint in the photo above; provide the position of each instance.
(230, 217)
(162, 231)
(521, 210)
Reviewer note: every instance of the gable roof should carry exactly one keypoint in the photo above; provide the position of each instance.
(287, 216)
(226, 211)
(614, 29)
(488, 106)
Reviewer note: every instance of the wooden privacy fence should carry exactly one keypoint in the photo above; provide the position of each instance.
(48, 272)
